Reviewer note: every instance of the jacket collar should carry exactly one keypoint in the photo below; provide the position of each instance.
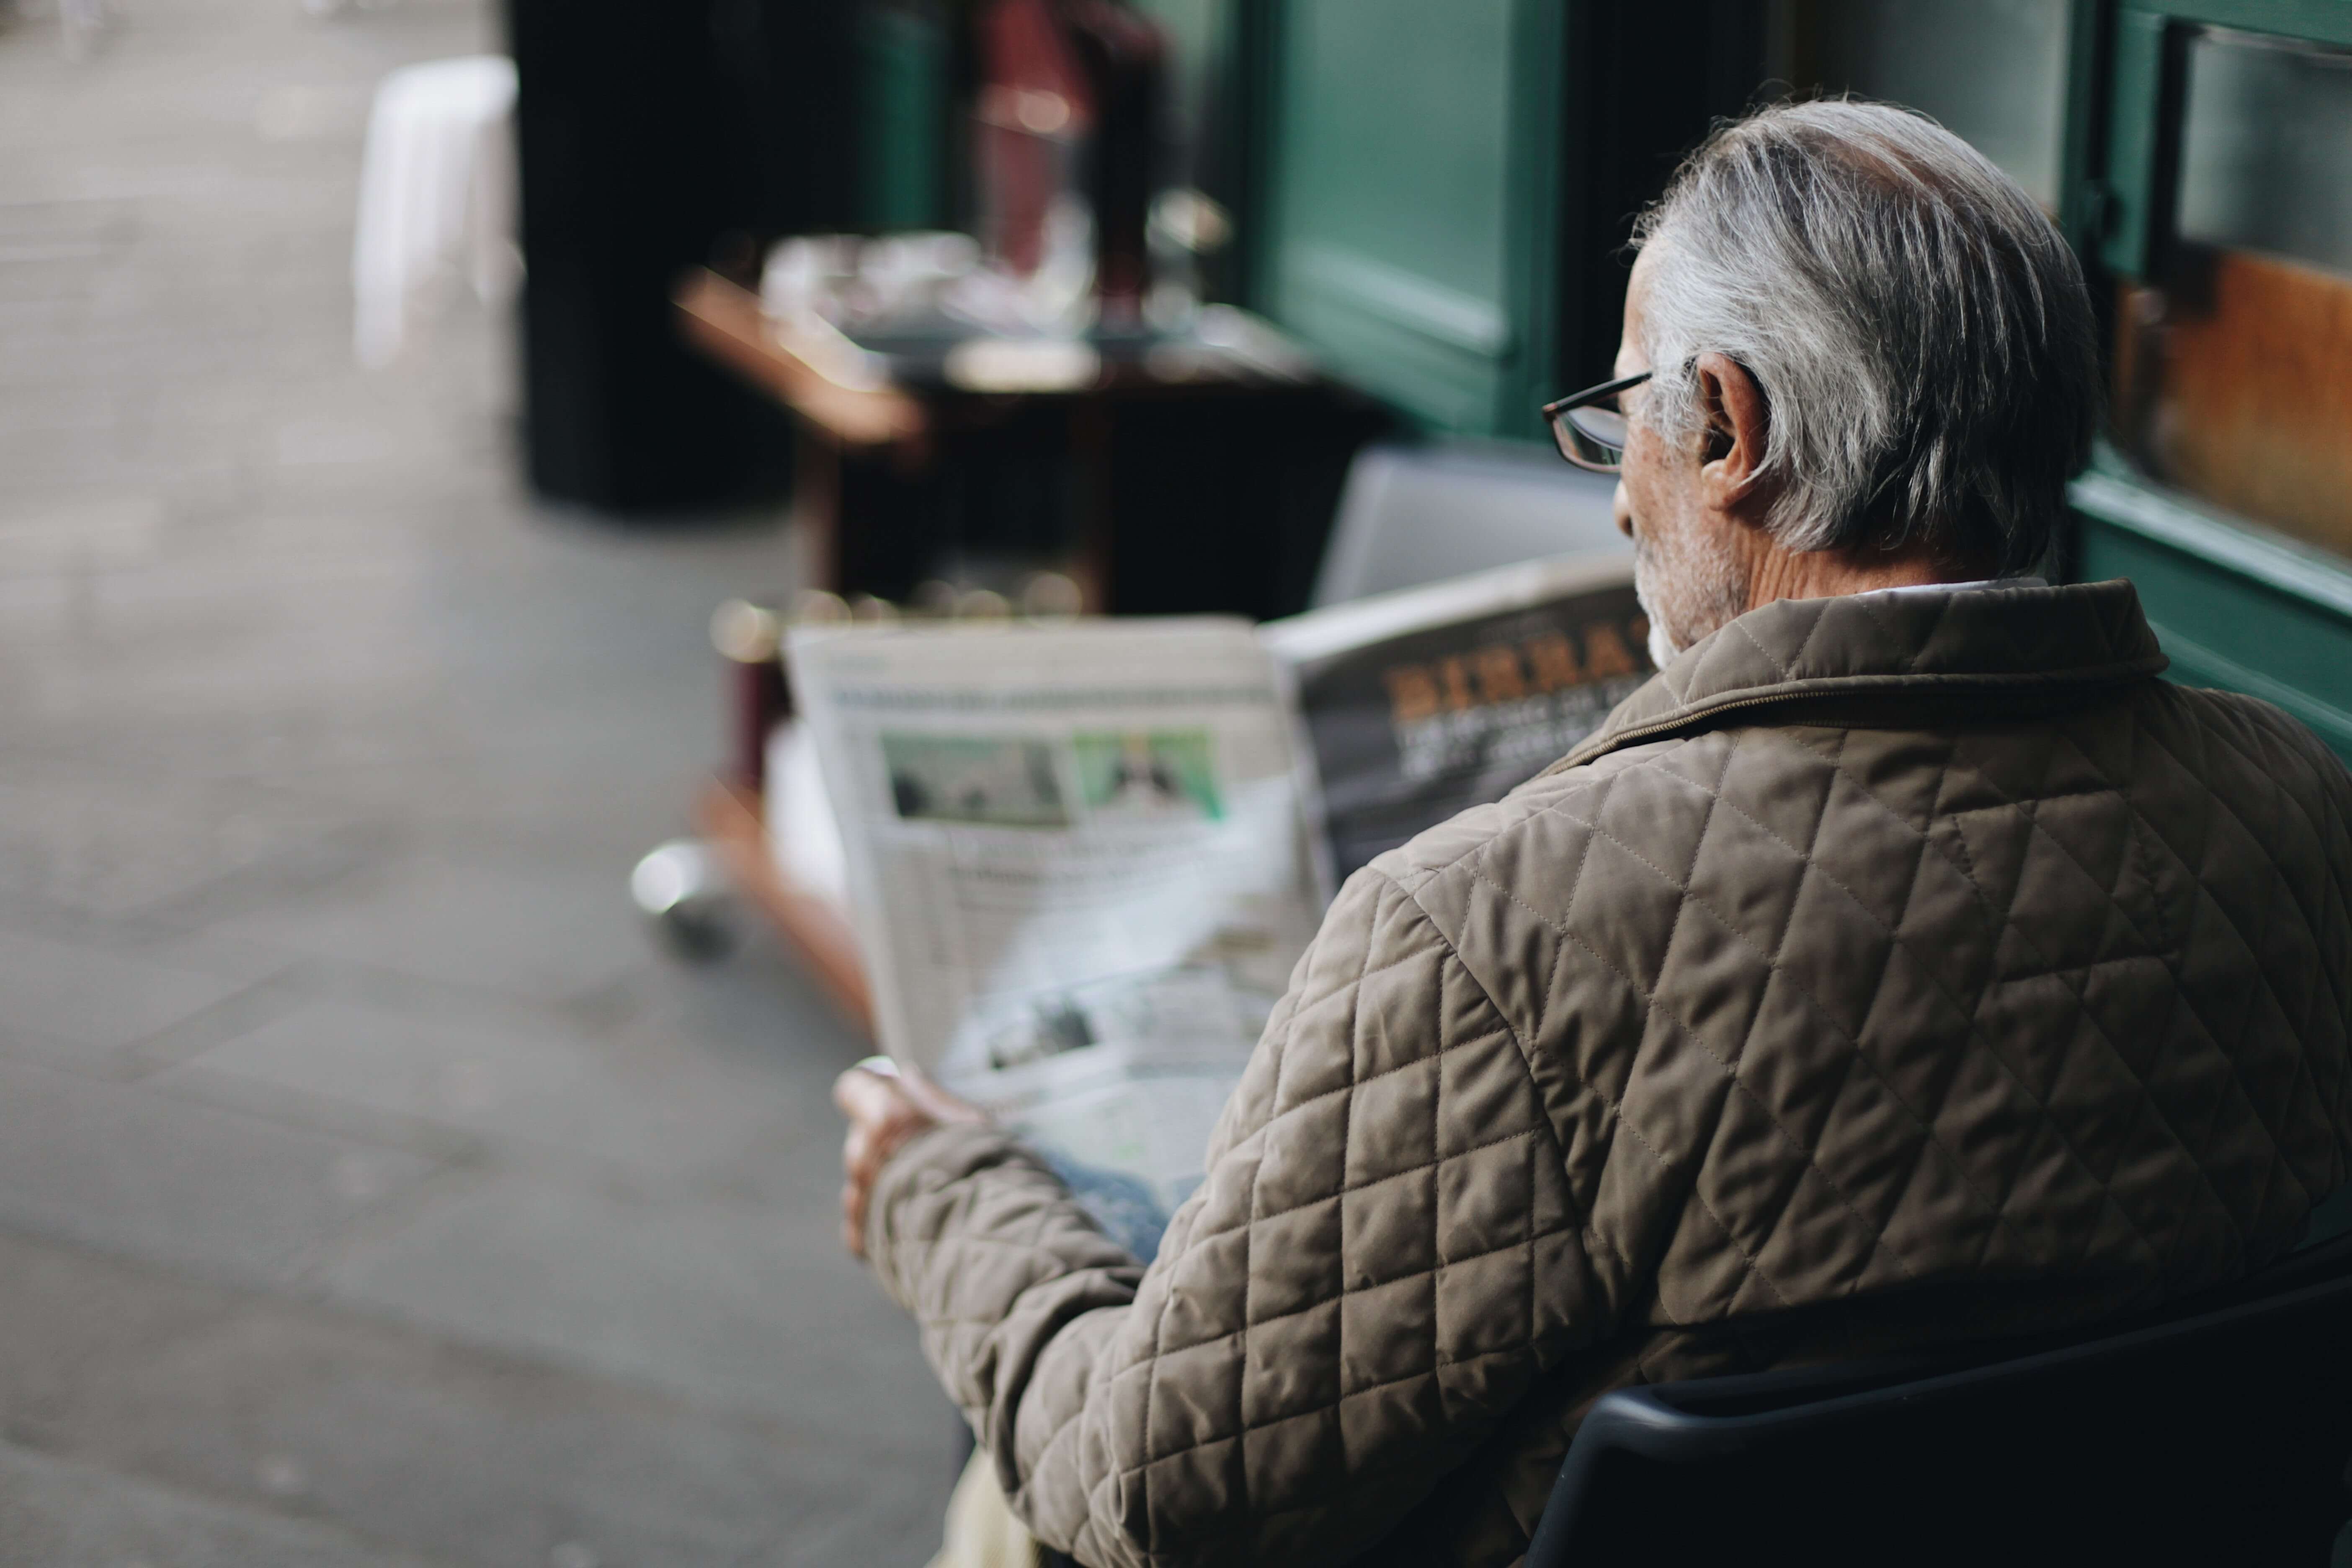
(1951, 640)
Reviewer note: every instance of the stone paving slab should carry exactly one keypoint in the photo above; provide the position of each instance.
(123, 1166)
(733, 1305)
(369, 1182)
(544, 1084)
(75, 1516)
(94, 998)
(542, 930)
(480, 1457)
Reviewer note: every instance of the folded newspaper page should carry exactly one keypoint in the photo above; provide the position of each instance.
(1422, 703)
(1077, 859)
(1083, 859)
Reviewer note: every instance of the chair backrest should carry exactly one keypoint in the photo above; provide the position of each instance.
(1409, 515)
(2216, 1437)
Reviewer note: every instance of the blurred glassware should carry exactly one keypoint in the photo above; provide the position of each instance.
(744, 632)
(818, 607)
(1067, 144)
(1035, 110)
(843, 280)
(1022, 365)
(933, 597)
(1186, 229)
(982, 605)
(1052, 597)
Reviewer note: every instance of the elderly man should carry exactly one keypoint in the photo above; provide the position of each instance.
(1905, 963)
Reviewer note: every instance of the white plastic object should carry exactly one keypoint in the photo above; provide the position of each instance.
(438, 197)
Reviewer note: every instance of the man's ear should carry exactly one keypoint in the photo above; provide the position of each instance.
(1739, 424)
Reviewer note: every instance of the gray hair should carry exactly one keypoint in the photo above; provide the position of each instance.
(1920, 331)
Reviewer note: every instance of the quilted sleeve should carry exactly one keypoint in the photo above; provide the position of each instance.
(1382, 1258)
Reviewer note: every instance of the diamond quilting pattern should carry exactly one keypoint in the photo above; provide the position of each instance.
(1745, 1015)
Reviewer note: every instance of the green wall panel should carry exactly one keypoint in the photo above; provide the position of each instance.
(2327, 21)
(903, 56)
(1396, 218)
(1196, 32)
(2232, 608)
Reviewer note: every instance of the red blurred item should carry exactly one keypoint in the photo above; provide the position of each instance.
(1070, 102)
(1036, 108)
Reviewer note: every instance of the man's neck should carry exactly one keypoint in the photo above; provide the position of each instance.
(1779, 574)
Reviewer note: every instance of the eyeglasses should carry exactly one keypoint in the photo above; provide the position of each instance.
(1590, 425)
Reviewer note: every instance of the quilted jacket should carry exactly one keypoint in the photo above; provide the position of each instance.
(1892, 968)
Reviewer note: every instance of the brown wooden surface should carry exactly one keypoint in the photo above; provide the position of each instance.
(1196, 480)
(726, 321)
(813, 928)
(2250, 400)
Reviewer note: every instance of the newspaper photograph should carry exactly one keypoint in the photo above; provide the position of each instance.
(1077, 860)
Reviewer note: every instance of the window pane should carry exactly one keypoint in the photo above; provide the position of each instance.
(2230, 363)
(2266, 150)
(1994, 71)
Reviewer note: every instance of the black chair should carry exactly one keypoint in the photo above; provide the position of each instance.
(2215, 1435)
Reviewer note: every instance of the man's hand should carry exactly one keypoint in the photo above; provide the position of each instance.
(887, 1105)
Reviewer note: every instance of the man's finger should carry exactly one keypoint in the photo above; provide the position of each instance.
(885, 1109)
(863, 1164)
(864, 1095)
(853, 1220)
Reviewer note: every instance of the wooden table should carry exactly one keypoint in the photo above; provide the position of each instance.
(1190, 473)
(725, 321)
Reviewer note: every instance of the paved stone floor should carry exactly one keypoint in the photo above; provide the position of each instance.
(371, 1190)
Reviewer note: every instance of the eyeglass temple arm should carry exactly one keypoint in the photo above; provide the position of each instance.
(1591, 394)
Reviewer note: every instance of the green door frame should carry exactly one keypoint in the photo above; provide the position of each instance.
(1454, 365)
(1536, 179)
(2236, 605)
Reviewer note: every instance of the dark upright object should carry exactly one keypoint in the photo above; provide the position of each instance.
(653, 133)
(1649, 81)
(1221, 500)
(1124, 59)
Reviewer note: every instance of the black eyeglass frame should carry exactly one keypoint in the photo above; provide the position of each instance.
(1566, 431)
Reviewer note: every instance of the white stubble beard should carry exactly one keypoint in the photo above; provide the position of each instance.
(1689, 592)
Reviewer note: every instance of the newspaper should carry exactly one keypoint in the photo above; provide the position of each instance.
(1083, 859)
(1078, 863)
(1420, 704)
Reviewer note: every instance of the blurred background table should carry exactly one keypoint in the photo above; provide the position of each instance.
(1166, 473)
